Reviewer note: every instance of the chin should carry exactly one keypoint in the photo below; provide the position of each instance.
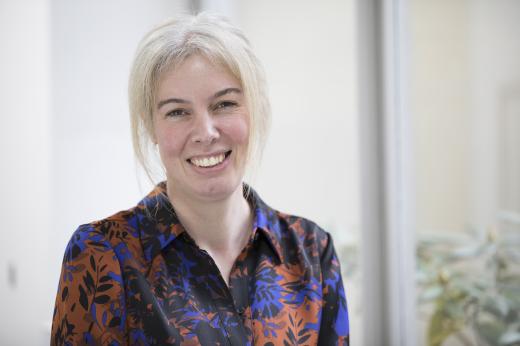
(217, 190)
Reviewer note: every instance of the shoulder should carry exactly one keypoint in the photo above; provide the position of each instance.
(295, 234)
(102, 236)
(97, 250)
(309, 234)
(302, 226)
(90, 299)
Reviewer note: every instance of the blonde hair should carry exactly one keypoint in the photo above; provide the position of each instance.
(168, 45)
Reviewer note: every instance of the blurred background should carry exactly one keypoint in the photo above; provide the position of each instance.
(396, 127)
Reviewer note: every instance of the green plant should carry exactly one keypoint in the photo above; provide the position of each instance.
(470, 287)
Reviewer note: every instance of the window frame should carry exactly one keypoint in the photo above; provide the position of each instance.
(387, 189)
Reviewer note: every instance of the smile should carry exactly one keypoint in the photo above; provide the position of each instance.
(209, 161)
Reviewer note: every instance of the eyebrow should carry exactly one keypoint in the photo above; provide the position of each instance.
(216, 95)
(227, 91)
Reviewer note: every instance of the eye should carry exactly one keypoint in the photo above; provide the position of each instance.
(178, 112)
(225, 104)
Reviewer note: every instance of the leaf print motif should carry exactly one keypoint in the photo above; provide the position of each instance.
(89, 282)
(102, 299)
(99, 305)
(268, 293)
(92, 263)
(304, 337)
(75, 251)
(75, 246)
(64, 293)
(104, 287)
(83, 300)
(97, 244)
(113, 228)
(115, 321)
(136, 278)
(105, 278)
(296, 333)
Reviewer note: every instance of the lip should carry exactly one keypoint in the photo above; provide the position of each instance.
(214, 169)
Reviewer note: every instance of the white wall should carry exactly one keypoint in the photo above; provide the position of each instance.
(465, 73)
(495, 69)
(25, 153)
(440, 106)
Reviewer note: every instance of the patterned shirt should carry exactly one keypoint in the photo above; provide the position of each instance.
(138, 278)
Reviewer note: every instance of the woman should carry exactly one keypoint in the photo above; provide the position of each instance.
(201, 260)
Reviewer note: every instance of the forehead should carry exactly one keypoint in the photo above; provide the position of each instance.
(195, 74)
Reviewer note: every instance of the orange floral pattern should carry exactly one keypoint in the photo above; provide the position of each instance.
(137, 278)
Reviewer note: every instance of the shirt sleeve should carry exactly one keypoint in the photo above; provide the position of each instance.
(90, 301)
(334, 328)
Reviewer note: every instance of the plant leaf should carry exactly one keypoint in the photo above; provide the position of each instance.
(510, 337)
(430, 294)
(441, 327)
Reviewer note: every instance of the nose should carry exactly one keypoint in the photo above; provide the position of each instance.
(204, 129)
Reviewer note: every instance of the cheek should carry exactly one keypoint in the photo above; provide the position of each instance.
(237, 129)
(169, 141)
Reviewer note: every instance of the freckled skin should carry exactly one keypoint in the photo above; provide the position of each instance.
(201, 126)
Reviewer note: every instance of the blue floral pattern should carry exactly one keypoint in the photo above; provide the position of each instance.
(138, 278)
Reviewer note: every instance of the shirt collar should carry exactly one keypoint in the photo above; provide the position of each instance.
(266, 220)
(159, 225)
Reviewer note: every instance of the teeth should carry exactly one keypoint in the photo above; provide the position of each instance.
(208, 161)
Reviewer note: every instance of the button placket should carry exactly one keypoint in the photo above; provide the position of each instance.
(243, 292)
(229, 303)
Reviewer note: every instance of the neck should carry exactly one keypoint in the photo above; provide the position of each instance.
(216, 226)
